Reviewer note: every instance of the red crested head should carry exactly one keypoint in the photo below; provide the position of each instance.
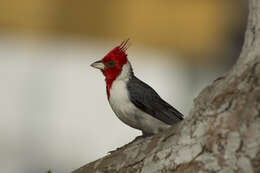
(112, 64)
(115, 60)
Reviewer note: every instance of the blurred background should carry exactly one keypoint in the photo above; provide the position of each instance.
(54, 110)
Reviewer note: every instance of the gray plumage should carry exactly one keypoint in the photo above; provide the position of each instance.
(145, 98)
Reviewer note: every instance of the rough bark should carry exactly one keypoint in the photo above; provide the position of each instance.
(222, 132)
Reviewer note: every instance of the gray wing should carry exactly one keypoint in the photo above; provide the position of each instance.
(146, 99)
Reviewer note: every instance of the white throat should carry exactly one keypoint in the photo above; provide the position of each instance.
(118, 91)
(119, 96)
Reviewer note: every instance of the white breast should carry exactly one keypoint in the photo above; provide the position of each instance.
(121, 105)
(126, 111)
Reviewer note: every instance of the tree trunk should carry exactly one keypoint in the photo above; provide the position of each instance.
(222, 132)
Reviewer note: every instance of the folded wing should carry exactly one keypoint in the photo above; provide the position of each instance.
(146, 99)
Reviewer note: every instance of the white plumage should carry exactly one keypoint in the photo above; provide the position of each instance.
(126, 111)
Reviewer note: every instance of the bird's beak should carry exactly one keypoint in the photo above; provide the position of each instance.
(98, 65)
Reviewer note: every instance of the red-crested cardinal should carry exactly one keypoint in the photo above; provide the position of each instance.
(133, 101)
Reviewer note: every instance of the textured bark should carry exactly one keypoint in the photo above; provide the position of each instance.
(222, 132)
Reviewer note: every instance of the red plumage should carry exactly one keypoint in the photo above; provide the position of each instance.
(119, 57)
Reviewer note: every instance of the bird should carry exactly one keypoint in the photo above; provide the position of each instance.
(133, 101)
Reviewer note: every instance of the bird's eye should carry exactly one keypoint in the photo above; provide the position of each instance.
(110, 64)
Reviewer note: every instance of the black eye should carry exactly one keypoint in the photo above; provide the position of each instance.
(110, 64)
